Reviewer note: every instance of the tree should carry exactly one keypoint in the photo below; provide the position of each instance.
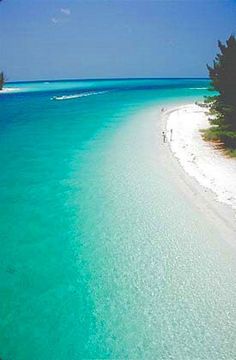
(1, 77)
(223, 80)
(2, 80)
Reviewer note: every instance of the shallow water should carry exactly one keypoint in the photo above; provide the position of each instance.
(101, 255)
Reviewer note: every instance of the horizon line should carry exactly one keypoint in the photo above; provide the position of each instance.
(110, 78)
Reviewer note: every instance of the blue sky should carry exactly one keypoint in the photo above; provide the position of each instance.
(54, 39)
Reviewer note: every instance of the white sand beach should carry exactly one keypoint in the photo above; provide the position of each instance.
(200, 159)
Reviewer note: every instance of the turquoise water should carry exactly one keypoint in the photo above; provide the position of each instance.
(102, 257)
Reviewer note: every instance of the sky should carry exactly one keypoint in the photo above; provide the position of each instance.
(62, 39)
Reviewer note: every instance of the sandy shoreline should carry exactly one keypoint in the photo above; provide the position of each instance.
(205, 175)
(198, 158)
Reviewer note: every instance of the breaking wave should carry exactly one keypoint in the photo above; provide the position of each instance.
(199, 88)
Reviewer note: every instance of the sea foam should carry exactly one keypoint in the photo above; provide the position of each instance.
(199, 88)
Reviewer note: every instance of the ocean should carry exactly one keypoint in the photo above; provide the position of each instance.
(102, 257)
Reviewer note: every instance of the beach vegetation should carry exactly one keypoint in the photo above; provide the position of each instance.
(221, 106)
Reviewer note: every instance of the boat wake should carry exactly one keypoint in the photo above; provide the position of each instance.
(76, 96)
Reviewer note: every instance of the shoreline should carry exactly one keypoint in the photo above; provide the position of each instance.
(184, 154)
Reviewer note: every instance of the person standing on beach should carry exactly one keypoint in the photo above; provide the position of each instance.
(171, 134)
(164, 136)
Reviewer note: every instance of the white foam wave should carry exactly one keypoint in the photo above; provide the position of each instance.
(199, 88)
(76, 96)
(9, 90)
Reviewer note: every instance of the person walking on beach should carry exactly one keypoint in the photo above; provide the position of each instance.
(171, 134)
(164, 136)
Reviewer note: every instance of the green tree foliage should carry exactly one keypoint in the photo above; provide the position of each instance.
(223, 80)
(2, 80)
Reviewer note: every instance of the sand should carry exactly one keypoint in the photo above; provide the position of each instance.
(190, 160)
(201, 159)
